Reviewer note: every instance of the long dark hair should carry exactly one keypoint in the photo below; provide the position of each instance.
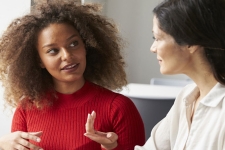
(197, 22)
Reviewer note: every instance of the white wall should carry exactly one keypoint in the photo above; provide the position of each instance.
(5, 116)
(9, 9)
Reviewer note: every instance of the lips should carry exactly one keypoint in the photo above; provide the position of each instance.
(159, 59)
(70, 66)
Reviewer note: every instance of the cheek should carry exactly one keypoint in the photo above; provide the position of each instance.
(163, 48)
(167, 51)
(50, 63)
(82, 55)
(84, 60)
(163, 53)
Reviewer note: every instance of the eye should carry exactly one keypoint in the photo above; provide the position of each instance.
(52, 51)
(73, 44)
(154, 38)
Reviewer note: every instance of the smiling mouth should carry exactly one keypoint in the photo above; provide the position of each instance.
(68, 67)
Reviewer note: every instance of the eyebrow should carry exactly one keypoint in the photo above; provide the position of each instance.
(72, 36)
(156, 33)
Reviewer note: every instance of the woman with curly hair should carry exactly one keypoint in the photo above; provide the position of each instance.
(58, 64)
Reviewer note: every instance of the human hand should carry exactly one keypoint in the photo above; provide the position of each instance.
(107, 140)
(18, 141)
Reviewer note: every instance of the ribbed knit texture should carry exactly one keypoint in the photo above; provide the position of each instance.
(63, 125)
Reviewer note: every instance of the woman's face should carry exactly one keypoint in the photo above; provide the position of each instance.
(173, 58)
(62, 53)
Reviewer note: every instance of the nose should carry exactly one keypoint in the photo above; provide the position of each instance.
(65, 54)
(153, 47)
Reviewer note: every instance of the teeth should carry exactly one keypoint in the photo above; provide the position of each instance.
(71, 66)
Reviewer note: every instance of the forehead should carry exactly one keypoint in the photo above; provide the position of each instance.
(56, 32)
(58, 28)
(160, 33)
(156, 30)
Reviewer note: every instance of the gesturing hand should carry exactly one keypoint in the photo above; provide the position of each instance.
(107, 140)
(18, 140)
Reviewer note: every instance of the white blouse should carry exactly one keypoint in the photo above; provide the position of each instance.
(205, 132)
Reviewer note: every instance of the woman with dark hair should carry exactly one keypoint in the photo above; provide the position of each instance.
(58, 64)
(189, 38)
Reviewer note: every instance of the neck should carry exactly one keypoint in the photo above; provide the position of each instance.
(200, 71)
(205, 83)
(69, 87)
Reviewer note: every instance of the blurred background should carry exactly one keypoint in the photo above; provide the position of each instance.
(134, 20)
(9, 9)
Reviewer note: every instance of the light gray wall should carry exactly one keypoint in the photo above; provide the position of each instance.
(134, 19)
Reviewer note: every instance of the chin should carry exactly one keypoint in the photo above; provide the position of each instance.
(165, 72)
(162, 71)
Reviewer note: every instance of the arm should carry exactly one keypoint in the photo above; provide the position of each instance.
(18, 140)
(19, 137)
(128, 127)
(127, 123)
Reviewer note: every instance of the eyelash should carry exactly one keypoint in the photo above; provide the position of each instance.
(154, 38)
(75, 43)
(49, 51)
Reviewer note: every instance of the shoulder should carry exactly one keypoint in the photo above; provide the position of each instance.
(105, 92)
(111, 97)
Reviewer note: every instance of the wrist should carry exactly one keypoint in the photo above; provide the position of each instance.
(109, 147)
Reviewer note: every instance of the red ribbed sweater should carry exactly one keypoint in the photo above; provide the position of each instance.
(63, 125)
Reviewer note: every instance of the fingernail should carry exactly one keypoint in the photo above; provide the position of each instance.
(108, 135)
(89, 116)
(92, 112)
(38, 140)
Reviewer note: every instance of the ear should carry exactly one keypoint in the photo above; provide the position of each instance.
(192, 49)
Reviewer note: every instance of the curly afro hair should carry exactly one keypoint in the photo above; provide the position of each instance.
(20, 70)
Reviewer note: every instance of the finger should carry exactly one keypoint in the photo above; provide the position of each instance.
(89, 125)
(27, 144)
(39, 133)
(112, 136)
(97, 138)
(20, 147)
(31, 136)
(101, 133)
(93, 114)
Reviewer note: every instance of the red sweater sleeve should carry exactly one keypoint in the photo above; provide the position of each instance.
(127, 123)
(19, 121)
